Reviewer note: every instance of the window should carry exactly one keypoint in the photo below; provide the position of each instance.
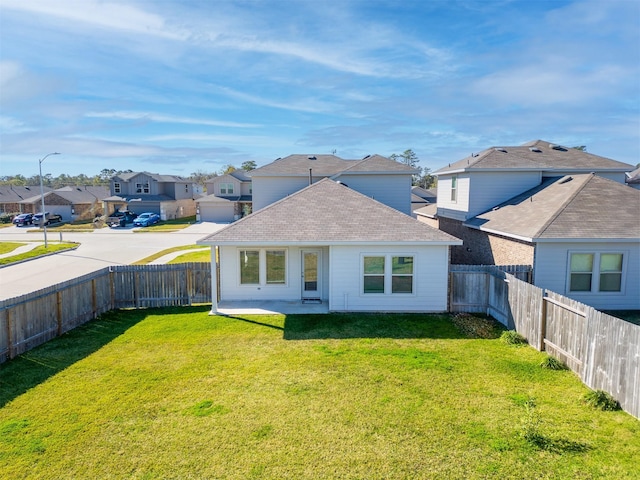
(249, 267)
(401, 274)
(226, 189)
(276, 264)
(186, 188)
(581, 272)
(254, 262)
(138, 188)
(374, 274)
(595, 272)
(454, 188)
(116, 187)
(610, 272)
(388, 273)
(145, 188)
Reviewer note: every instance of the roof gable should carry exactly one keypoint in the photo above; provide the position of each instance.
(569, 207)
(328, 213)
(378, 163)
(330, 165)
(128, 176)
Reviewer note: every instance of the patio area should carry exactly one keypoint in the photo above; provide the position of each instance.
(270, 307)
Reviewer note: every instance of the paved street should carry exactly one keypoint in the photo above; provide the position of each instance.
(97, 249)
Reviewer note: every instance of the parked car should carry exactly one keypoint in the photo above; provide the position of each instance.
(146, 219)
(49, 218)
(121, 218)
(23, 219)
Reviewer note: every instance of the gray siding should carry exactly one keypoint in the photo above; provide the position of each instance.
(267, 190)
(392, 190)
(552, 270)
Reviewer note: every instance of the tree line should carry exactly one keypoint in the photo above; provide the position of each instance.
(408, 157)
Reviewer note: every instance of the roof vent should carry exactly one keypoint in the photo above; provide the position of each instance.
(365, 157)
(312, 158)
(565, 180)
(535, 149)
(560, 148)
(503, 150)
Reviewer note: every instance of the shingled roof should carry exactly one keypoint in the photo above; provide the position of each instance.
(126, 176)
(328, 213)
(329, 165)
(571, 207)
(536, 155)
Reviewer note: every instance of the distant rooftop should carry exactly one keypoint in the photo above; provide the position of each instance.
(329, 165)
(537, 155)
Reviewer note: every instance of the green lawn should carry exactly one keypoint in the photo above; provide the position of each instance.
(166, 251)
(38, 251)
(177, 393)
(7, 247)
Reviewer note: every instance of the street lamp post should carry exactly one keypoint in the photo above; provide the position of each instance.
(44, 220)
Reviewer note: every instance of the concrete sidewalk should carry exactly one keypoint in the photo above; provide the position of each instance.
(22, 249)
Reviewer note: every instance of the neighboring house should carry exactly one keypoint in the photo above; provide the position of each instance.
(11, 197)
(169, 196)
(380, 178)
(421, 197)
(581, 233)
(71, 203)
(478, 183)
(329, 243)
(633, 178)
(229, 198)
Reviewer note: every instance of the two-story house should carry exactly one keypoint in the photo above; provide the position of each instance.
(169, 196)
(378, 177)
(547, 206)
(229, 197)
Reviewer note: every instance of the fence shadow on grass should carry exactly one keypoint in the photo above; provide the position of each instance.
(369, 325)
(35, 366)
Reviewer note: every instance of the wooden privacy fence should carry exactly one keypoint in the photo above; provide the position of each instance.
(32, 319)
(604, 351)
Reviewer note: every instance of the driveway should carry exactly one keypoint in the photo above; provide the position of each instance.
(98, 249)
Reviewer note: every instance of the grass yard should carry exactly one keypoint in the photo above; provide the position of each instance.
(38, 251)
(8, 247)
(176, 393)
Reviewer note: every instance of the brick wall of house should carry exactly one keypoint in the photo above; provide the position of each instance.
(481, 248)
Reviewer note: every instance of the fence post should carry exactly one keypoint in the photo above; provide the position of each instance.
(112, 288)
(59, 311)
(189, 285)
(94, 299)
(543, 320)
(136, 288)
(10, 342)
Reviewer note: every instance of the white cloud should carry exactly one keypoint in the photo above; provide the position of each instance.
(115, 16)
(160, 118)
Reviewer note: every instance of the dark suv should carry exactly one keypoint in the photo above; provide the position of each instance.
(49, 218)
(23, 219)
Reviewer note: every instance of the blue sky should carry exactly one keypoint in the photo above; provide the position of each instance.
(173, 87)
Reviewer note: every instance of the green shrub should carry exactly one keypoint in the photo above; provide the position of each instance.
(511, 337)
(601, 400)
(552, 363)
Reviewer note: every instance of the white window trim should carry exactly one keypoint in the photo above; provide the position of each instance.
(225, 186)
(262, 268)
(117, 187)
(138, 188)
(454, 191)
(595, 273)
(388, 274)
